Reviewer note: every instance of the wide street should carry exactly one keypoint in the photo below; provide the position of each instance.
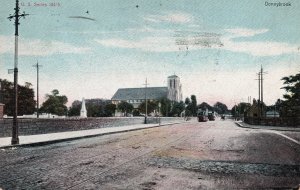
(193, 155)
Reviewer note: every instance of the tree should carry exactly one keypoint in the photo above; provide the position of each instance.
(166, 105)
(94, 110)
(291, 104)
(194, 108)
(220, 108)
(151, 106)
(187, 101)
(204, 106)
(279, 107)
(136, 112)
(188, 107)
(109, 109)
(240, 109)
(125, 107)
(26, 102)
(74, 110)
(177, 108)
(191, 106)
(55, 104)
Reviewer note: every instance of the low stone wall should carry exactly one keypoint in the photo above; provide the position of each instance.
(280, 121)
(43, 126)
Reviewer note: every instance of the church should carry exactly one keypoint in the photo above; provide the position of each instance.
(136, 96)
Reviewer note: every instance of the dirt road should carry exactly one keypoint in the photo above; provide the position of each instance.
(209, 155)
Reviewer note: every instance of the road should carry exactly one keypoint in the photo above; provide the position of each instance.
(210, 155)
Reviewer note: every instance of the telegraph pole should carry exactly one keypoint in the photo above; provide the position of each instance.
(258, 100)
(37, 88)
(146, 85)
(261, 81)
(15, 128)
(259, 86)
(262, 88)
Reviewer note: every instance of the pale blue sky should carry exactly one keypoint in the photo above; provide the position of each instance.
(125, 44)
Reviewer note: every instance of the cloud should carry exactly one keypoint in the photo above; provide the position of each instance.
(153, 44)
(178, 17)
(174, 41)
(260, 48)
(147, 29)
(86, 32)
(170, 41)
(255, 48)
(37, 47)
(245, 32)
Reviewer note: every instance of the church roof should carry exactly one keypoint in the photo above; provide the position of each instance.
(153, 93)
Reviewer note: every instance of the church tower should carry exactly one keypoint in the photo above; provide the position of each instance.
(174, 88)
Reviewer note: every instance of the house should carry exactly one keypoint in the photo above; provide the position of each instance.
(136, 96)
(256, 110)
(272, 113)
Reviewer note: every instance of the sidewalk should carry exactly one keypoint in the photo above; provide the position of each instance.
(245, 125)
(43, 139)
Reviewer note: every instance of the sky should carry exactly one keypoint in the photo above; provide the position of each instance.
(91, 48)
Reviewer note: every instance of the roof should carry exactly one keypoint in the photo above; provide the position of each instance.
(173, 76)
(153, 93)
(272, 112)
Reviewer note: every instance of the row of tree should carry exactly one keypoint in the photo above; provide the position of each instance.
(56, 103)
(164, 107)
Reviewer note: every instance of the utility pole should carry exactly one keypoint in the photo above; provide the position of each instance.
(37, 88)
(15, 128)
(261, 81)
(258, 100)
(259, 87)
(260, 90)
(234, 111)
(146, 85)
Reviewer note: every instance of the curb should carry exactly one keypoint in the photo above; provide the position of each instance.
(81, 137)
(242, 126)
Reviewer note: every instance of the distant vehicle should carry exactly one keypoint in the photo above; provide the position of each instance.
(202, 117)
(211, 117)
